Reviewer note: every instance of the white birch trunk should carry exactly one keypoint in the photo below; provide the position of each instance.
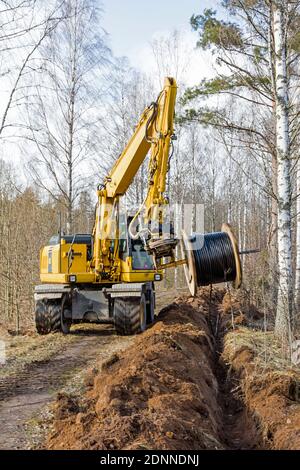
(297, 273)
(283, 314)
(273, 248)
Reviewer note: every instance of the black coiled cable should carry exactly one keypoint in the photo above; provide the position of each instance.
(214, 258)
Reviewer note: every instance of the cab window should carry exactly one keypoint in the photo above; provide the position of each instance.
(140, 258)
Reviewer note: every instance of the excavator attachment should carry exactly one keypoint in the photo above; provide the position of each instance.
(162, 248)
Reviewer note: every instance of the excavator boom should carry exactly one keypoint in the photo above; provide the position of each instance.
(154, 129)
(153, 132)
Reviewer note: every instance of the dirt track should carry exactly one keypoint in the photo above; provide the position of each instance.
(24, 394)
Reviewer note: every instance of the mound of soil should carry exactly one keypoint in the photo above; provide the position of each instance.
(272, 396)
(161, 393)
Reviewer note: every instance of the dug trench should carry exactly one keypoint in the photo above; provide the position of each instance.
(175, 387)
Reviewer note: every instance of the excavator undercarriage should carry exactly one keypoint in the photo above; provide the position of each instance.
(129, 307)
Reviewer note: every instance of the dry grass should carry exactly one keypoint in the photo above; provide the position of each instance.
(267, 350)
(23, 350)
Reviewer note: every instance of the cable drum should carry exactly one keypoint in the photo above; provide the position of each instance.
(214, 258)
(211, 258)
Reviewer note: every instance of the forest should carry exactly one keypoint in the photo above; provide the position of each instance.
(69, 106)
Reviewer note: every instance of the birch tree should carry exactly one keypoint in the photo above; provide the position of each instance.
(297, 268)
(284, 312)
(244, 83)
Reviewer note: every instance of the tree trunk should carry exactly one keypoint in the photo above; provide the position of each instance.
(283, 314)
(297, 273)
(70, 194)
(273, 245)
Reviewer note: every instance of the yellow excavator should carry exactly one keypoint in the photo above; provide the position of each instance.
(108, 276)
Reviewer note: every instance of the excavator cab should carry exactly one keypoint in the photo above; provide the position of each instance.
(141, 259)
(134, 249)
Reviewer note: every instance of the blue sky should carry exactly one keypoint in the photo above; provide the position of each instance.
(132, 23)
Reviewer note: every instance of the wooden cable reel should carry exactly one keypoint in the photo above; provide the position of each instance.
(211, 258)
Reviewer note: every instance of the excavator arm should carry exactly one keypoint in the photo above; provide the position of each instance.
(153, 132)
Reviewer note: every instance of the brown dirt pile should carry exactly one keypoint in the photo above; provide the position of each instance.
(270, 391)
(161, 393)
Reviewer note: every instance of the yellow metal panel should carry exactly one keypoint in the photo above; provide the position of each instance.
(54, 259)
(138, 276)
(64, 278)
(79, 262)
(129, 275)
(128, 163)
(44, 260)
(50, 259)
